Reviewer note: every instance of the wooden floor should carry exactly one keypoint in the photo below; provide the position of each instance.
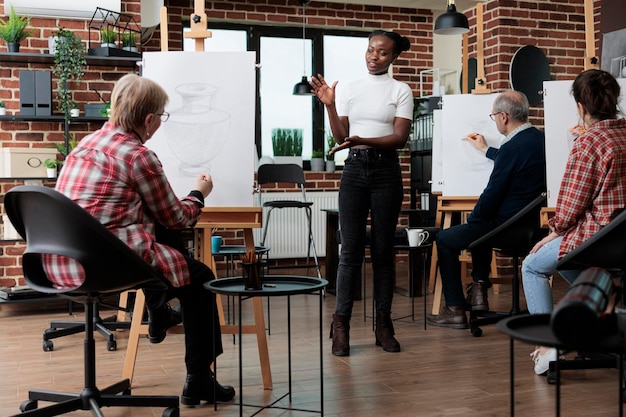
(440, 372)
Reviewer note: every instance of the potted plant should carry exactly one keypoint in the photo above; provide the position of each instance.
(51, 167)
(13, 30)
(65, 150)
(317, 160)
(129, 41)
(287, 146)
(330, 158)
(108, 37)
(69, 66)
(3, 109)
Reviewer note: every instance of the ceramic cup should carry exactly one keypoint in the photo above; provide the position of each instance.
(416, 237)
(216, 243)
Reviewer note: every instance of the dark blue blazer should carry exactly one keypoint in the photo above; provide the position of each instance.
(518, 176)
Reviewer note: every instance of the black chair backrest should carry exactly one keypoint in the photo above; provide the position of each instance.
(606, 249)
(517, 235)
(51, 223)
(288, 173)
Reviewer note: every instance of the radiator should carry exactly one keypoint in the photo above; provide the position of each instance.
(287, 233)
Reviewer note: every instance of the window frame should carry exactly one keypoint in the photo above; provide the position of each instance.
(316, 35)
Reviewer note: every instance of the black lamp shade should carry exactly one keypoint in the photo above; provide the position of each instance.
(303, 88)
(451, 22)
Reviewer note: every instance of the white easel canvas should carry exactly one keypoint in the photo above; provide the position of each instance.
(561, 115)
(466, 170)
(211, 124)
(436, 177)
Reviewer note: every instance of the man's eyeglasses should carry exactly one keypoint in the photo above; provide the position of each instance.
(492, 115)
(164, 116)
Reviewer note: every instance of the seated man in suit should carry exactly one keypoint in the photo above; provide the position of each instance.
(517, 178)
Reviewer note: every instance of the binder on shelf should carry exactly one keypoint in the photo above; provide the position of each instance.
(43, 93)
(27, 92)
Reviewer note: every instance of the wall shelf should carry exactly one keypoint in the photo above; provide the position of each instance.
(20, 57)
(53, 118)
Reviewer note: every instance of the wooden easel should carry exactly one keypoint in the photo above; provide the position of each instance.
(591, 59)
(245, 218)
(480, 85)
(446, 207)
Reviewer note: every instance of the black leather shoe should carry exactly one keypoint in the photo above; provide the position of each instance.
(161, 319)
(453, 317)
(205, 388)
(478, 299)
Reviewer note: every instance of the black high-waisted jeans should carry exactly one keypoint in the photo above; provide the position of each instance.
(371, 183)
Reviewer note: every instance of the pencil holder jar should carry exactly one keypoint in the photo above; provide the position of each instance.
(252, 275)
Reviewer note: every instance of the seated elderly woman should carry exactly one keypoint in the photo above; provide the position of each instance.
(121, 182)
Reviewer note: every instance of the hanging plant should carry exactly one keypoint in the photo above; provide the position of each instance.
(69, 65)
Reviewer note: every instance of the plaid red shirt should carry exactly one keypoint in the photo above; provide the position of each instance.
(122, 184)
(593, 189)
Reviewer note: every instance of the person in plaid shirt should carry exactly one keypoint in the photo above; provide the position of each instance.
(593, 191)
(119, 181)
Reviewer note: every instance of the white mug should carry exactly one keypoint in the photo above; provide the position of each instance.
(416, 237)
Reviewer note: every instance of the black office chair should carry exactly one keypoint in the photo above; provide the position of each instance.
(104, 326)
(607, 250)
(287, 174)
(50, 223)
(513, 238)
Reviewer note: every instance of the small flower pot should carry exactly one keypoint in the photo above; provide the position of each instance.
(330, 166)
(51, 172)
(74, 113)
(13, 47)
(3, 111)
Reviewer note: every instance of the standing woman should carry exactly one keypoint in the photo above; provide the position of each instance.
(592, 193)
(373, 119)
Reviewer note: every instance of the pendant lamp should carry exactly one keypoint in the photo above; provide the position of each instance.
(451, 22)
(303, 88)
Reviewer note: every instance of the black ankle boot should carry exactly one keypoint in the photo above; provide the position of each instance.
(205, 388)
(340, 333)
(161, 319)
(385, 332)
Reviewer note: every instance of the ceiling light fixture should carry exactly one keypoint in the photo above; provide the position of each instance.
(451, 22)
(303, 88)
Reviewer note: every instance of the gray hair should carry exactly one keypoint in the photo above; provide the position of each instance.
(513, 103)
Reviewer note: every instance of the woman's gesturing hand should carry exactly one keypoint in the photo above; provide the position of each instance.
(321, 90)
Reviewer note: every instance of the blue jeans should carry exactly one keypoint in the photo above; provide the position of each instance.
(537, 268)
(450, 243)
(371, 183)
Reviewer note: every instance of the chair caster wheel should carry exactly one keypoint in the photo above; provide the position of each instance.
(28, 405)
(171, 412)
(476, 331)
(112, 345)
(48, 346)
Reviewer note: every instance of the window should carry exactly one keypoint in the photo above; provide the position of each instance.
(338, 55)
(281, 68)
(344, 61)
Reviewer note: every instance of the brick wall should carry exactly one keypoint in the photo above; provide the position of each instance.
(555, 26)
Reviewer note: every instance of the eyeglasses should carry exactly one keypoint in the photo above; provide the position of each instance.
(493, 114)
(164, 116)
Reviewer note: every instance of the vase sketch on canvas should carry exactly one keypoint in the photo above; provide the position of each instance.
(197, 131)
